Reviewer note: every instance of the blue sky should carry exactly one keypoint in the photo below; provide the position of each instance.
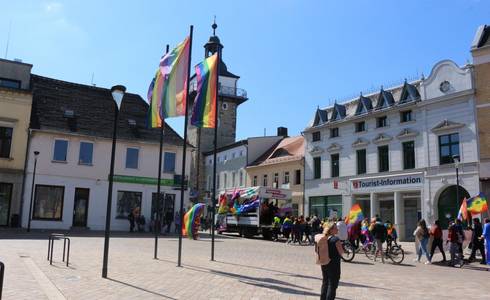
(291, 55)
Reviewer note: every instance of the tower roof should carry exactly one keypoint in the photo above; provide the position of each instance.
(213, 45)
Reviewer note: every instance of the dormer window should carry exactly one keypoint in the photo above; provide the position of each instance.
(409, 93)
(364, 105)
(385, 100)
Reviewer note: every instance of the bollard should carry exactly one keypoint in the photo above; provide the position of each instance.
(2, 271)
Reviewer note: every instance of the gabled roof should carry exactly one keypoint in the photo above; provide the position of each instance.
(87, 110)
(447, 125)
(364, 105)
(338, 112)
(409, 93)
(321, 117)
(286, 150)
(385, 99)
(482, 37)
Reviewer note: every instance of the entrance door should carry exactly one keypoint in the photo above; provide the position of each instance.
(387, 210)
(80, 207)
(5, 198)
(411, 218)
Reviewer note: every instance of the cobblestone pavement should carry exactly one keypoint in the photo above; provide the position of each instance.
(244, 269)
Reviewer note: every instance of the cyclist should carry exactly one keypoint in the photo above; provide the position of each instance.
(392, 235)
(379, 232)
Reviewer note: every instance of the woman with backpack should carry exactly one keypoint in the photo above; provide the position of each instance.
(329, 251)
(422, 236)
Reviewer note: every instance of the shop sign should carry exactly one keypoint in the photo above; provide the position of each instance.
(387, 181)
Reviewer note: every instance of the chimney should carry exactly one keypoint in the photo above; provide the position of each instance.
(282, 131)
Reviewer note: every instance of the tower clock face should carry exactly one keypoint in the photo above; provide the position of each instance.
(445, 86)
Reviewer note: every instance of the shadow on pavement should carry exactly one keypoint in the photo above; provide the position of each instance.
(350, 284)
(281, 289)
(141, 289)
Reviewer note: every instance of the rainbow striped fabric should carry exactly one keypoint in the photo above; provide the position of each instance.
(192, 220)
(355, 214)
(168, 90)
(463, 210)
(203, 113)
(478, 204)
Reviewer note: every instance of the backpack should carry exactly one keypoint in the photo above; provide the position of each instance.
(321, 249)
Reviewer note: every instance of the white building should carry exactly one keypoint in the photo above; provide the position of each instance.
(72, 129)
(392, 151)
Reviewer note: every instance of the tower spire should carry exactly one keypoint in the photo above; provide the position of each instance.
(214, 26)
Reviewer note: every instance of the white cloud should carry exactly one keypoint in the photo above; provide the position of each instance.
(53, 7)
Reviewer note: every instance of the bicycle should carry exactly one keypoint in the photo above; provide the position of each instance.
(349, 251)
(393, 251)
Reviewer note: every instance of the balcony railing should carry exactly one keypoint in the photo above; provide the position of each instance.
(225, 91)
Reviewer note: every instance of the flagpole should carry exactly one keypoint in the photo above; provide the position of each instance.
(158, 217)
(182, 180)
(214, 153)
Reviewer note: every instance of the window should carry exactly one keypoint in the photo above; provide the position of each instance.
(448, 147)
(405, 116)
(241, 178)
(208, 183)
(5, 141)
(48, 202)
(86, 152)
(126, 203)
(10, 83)
(264, 180)
(169, 162)
(233, 179)
(316, 136)
(381, 122)
(334, 158)
(5, 199)
(233, 155)
(225, 180)
(217, 181)
(254, 183)
(286, 178)
(361, 161)
(276, 179)
(334, 132)
(132, 158)
(60, 150)
(360, 126)
(383, 159)
(326, 206)
(241, 152)
(297, 177)
(317, 167)
(408, 155)
(225, 158)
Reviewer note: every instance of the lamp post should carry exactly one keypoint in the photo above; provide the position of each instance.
(117, 92)
(456, 165)
(36, 153)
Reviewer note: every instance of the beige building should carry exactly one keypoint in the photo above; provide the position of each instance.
(282, 166)
(15, 111)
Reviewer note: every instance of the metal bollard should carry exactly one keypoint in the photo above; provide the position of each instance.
(2, 271)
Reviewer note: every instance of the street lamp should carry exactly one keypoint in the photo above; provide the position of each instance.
(456, 165)
(36, 153)
(117, 92)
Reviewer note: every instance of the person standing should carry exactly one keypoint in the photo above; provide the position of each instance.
(331, 270)
(177, 222)
(486, 237)
(169, 217)
(342, 229)
(477, 241)
(379, 232)
(422, 236)
(436, 234)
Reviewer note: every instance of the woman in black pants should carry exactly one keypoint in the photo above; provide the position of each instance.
(436, 234)
(331, 271)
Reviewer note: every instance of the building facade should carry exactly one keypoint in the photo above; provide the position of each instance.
(393, 152)
(15, 111)
(71, 129)
(282, 166)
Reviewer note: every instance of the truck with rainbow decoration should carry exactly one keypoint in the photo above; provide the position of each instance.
(250, 211)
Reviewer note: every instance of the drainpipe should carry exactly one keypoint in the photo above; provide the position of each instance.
(21, 208)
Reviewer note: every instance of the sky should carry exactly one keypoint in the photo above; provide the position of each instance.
(291, 55)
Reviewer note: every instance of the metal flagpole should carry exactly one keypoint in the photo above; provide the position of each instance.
(214, 153)
(182, 180)
(158, 217)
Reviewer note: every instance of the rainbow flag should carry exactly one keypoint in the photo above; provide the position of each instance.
(477, 204)
(203, 113)
(168, 90)
(355, 214)
(463, 210)
(192, 221)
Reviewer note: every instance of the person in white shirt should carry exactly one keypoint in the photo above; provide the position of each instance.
(342, 227)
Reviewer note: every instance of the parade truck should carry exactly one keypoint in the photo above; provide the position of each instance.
(251, 211)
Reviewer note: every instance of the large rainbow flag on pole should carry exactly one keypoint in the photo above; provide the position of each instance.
(478, 204)
(168, 89)
(204, 111)
(355, 214)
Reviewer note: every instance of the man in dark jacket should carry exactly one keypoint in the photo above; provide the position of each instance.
(477, 241)
(379, 233)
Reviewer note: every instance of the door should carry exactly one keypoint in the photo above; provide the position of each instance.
(80, 207)
(5, 198)
(411, 218)
(387, 210)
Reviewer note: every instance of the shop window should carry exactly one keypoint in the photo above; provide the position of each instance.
(448, 147)
(361, 161)
(361, 126)
(408, 155)
(316, 136)
(48, 203)
(326, 206)
(5, 141)
(60, 150)
(127, 202)
(334, 132)
(317, 167)
(86, 153)
(383, 159)
(334, 158)
(297, 177)
(405, 116)
(381, 122)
